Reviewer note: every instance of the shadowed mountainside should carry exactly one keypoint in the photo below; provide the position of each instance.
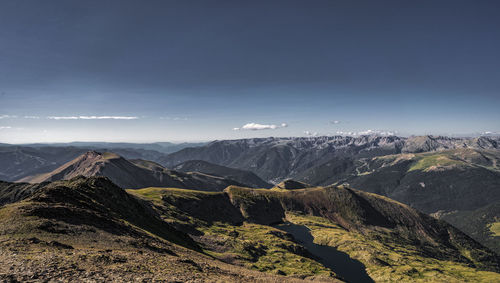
(482, 224)
(241, 176)
(13, 192)
(459, 179)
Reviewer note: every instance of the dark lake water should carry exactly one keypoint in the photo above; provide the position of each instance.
(343, 265)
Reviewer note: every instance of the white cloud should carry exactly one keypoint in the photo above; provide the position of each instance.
(7, 116)
(335, 122)
(5, 127)
(256, 127)
(31, 117)
(62, 117)
(108, 117)
(92, 117)
(490, 133)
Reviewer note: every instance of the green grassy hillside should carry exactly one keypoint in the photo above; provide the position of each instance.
(393, 241)
(90, 229)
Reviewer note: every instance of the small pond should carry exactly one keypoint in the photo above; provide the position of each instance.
(340, 262)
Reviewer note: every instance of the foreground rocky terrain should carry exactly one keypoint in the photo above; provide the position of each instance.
(89, 228)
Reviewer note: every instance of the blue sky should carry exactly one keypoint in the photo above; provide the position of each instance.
(196, 70)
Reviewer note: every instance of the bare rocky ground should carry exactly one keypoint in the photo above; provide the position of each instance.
(35, 260)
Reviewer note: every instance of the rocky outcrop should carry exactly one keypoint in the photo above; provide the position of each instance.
(255, 207)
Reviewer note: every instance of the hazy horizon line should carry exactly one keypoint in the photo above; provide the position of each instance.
(278, 137)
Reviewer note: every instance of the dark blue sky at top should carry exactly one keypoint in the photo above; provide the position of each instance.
(194, 70)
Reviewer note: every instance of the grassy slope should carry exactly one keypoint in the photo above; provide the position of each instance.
(386, 258)
(495, 228)
(387, 261)
(383, 218)
(89, 229)
(254, 246)
(427, 161)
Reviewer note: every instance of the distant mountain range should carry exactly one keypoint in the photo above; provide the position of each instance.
(272, 159)
(163, 147)
(276, 159)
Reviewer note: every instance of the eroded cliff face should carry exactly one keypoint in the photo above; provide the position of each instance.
(255, 206)
(208, 207)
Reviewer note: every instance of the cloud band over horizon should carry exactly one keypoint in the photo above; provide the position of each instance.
(92, 117)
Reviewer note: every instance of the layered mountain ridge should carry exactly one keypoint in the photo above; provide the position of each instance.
(276, 159)
(128, 175)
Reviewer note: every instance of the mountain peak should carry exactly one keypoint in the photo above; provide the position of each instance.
(92, 154)
(132, 175)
